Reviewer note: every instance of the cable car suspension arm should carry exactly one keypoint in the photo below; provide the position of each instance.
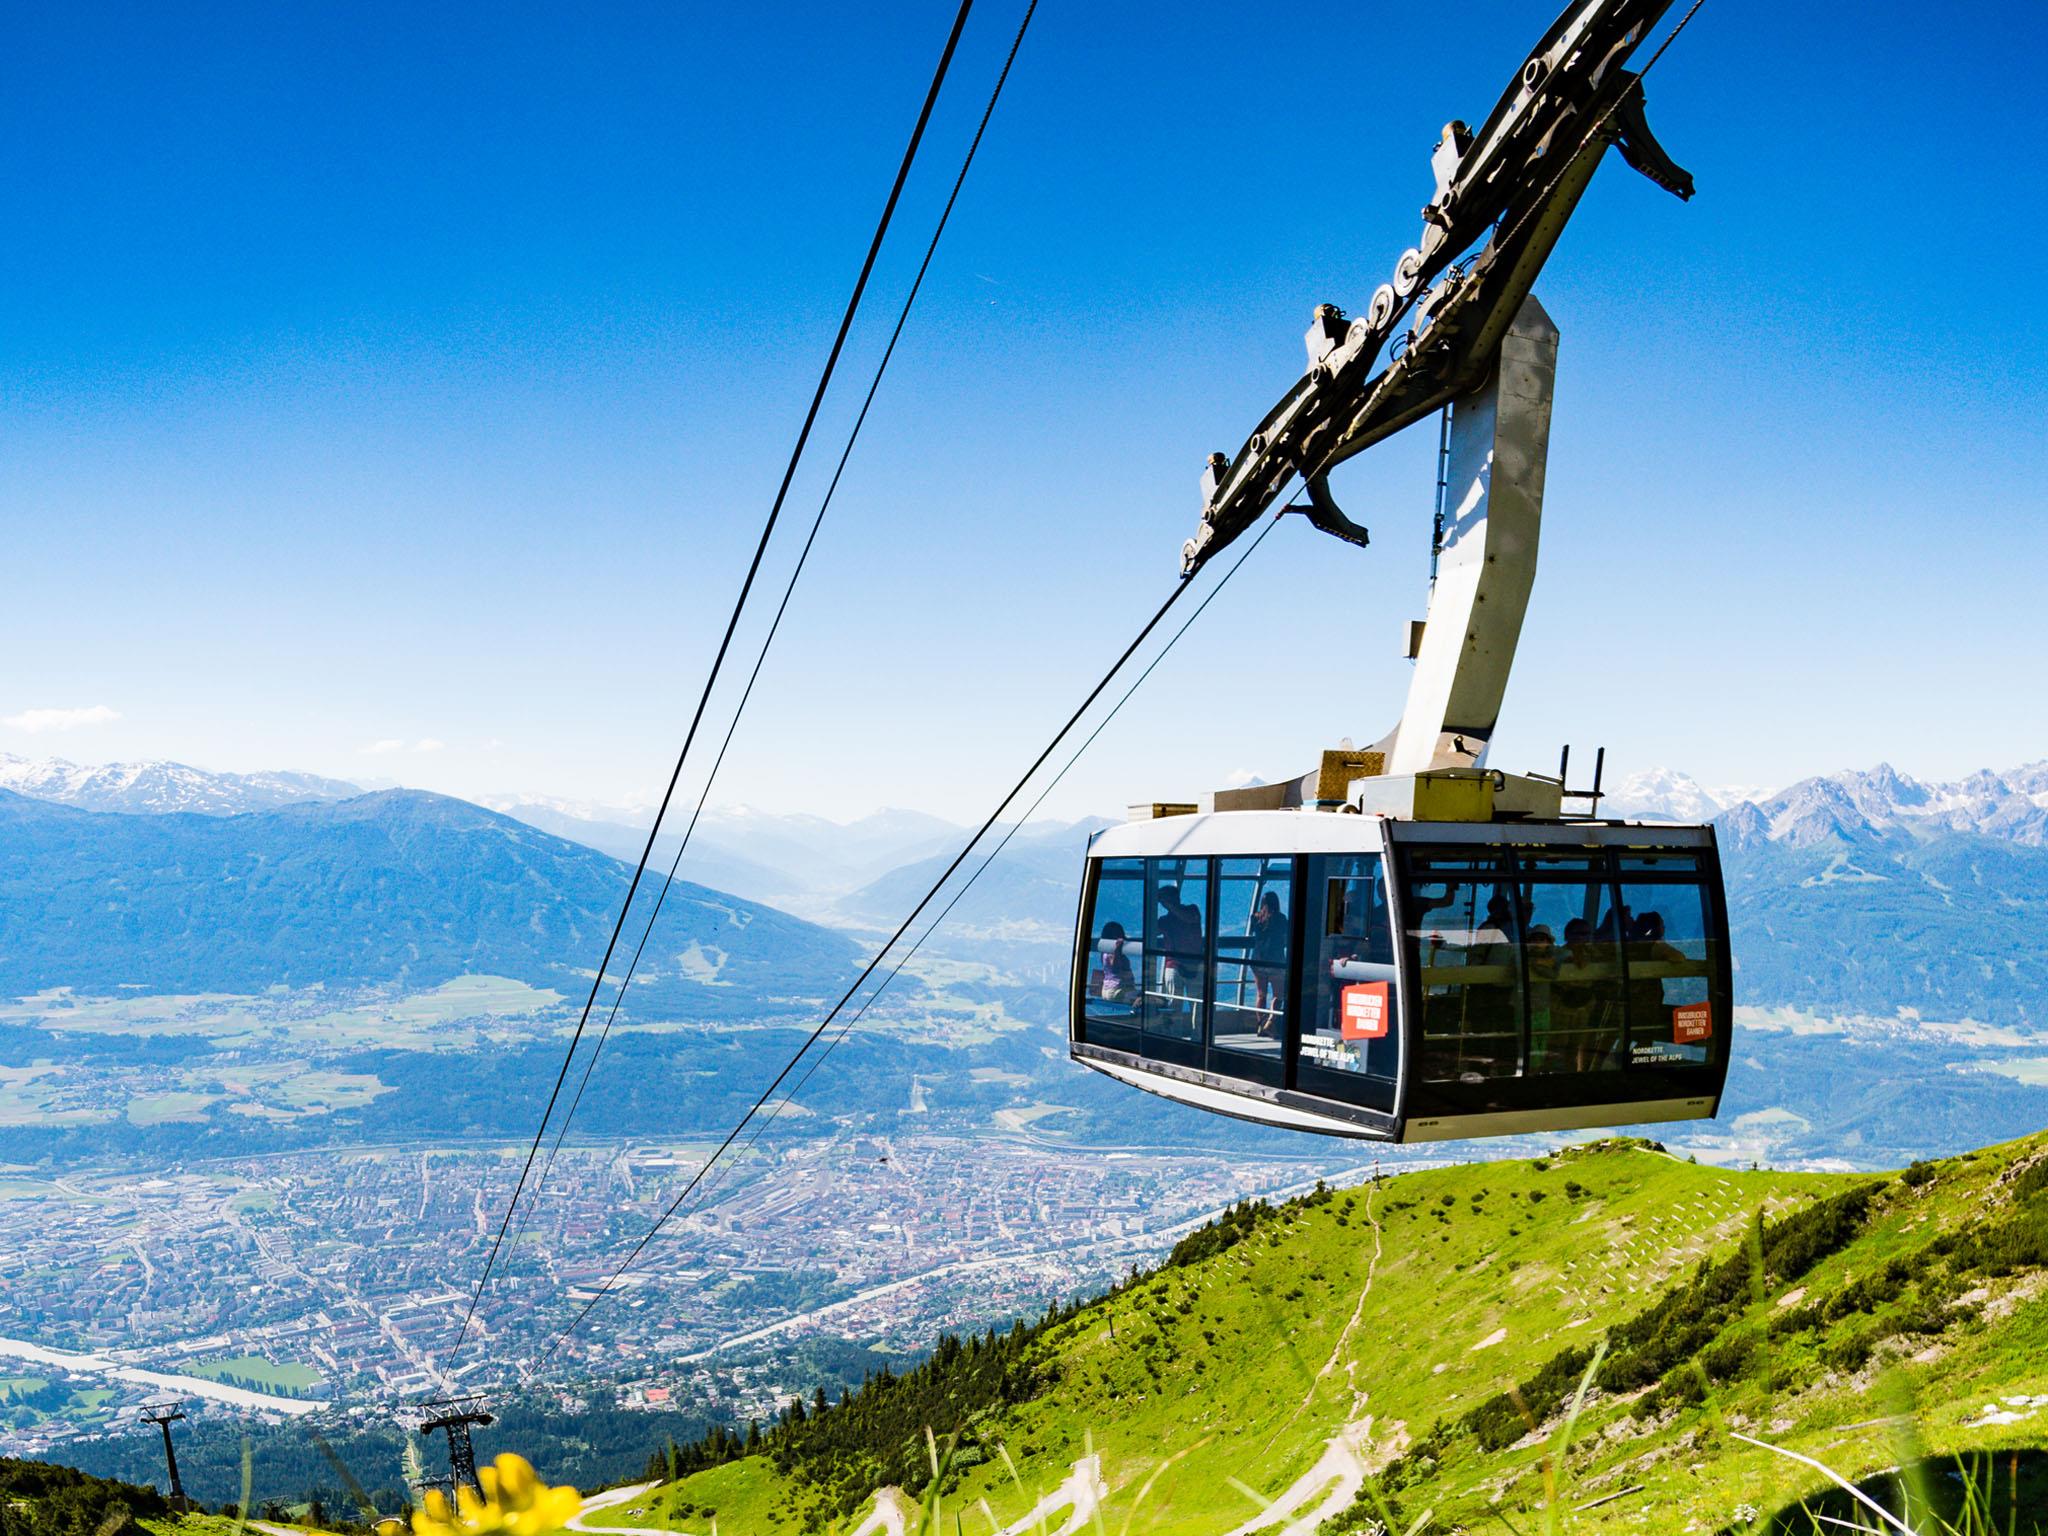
(1513, 183)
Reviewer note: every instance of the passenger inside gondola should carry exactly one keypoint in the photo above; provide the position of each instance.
(1179, 938)
(1471, 974)
(1113, 980)
(1269, 960)
(1587, 1003)
(1248, 969)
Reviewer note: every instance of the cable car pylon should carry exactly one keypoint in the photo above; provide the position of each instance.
(456, 1416)
(163, 1416)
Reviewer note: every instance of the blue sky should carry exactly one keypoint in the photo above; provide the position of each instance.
(376, 375)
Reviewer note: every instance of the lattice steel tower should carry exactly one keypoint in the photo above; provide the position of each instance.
(457, 1415)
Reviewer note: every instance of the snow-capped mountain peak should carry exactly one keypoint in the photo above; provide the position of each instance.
(155, 788)
(1881, 801)
(1662, 794)
(1851, 805)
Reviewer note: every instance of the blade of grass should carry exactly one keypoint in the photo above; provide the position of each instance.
(1370, 1490)
(1907, 1447)
(1251, 1493)
(928, 1515)
(1561, 1443)
(1157, 1472)
(248, 1486)
(1834, 1477)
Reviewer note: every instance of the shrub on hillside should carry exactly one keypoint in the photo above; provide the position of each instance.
(1688, 1317)
(2031, 1180)
(1220, 1235)
(1505, 1417)
(39, 1499)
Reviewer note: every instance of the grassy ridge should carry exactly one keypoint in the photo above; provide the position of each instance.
(1426, 1332)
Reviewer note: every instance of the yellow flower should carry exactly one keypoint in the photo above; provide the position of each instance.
(515, 1502)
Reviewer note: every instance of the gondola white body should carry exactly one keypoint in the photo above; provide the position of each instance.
(1425, 981)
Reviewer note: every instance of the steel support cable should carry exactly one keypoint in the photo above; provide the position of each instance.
(789, 590)
(724, 645)
(1158, 616)
(789, 1094)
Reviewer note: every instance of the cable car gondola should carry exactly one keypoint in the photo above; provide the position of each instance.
(1407, 944)
(1403, 979)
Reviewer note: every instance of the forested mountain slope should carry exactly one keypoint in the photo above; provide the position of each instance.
(400, 888)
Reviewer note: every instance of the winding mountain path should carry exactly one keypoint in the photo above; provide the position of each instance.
(606, 1500)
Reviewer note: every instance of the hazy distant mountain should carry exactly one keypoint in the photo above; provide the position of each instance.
(162, 787)
(789, 858)
(1019, 916)
(822, 855)
(709, 863)
(1944, 924)
(401, 887)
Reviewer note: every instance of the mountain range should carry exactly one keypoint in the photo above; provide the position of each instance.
(1851, 805)
(1954, 874)
(159, 788)
(397, 888)
(793, 859)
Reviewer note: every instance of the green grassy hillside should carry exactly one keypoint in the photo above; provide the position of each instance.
(1412, 1348)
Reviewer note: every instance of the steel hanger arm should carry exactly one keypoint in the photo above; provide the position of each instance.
(1516, 183)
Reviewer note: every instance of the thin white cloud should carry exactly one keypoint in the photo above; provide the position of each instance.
(36, 721)
(381, 748)
(428, 744)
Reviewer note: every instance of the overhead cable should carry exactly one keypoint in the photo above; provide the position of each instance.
(1180, 590)
(590, 1062)
(789, 1094)
(718, 661)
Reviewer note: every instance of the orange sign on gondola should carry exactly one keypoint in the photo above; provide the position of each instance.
(1692, 1022)
(1362, 1014)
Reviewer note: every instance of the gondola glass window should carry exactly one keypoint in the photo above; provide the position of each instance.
(1350, 1007)
(1463, 931)
(1117, 955)
(1670, 961)
(1249, 984)
(1577, 997)
(1538, 962)
(1176, 957)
